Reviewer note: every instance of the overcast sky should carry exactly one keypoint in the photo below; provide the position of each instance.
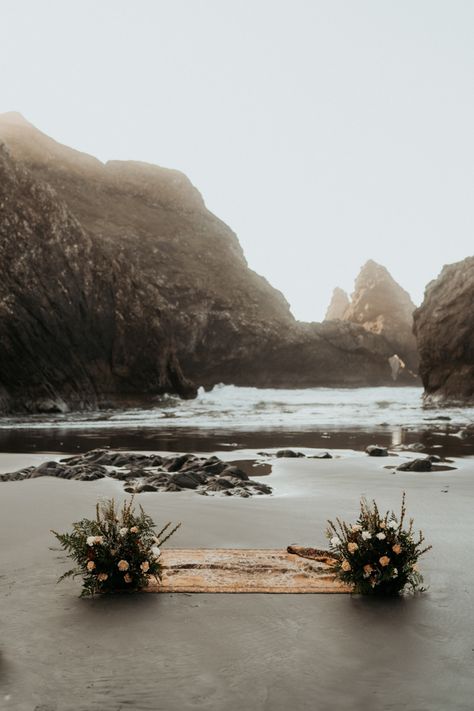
(324, 133)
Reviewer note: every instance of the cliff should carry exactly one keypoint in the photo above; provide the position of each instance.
(444, 326)
(117, 280)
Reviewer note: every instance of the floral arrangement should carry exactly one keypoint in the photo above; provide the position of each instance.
(376, 555)
(116, 552)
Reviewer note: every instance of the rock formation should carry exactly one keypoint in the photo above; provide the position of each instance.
(338, 305)
(116, 280)
(444, 326)
(381, 306)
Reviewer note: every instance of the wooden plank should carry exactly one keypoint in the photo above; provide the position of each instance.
(223, 570)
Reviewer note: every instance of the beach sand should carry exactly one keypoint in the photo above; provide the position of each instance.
(245, 652)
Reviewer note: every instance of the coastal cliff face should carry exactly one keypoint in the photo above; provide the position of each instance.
(381, 306)
(444, 326)
(118, 280)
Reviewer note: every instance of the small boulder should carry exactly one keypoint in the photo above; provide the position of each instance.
(184, 481)
(143, 488)
(289, 453)
(235, 472)
(324, 455)
(416, 465)
(373, 450)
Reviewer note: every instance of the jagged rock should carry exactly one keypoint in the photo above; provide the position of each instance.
(416, 465)
(214, 467)
(373, 450)
(235, 473)
(185, 481)
(178, 463)
(338, 305)
(289, 453)
(381, 306)
(226, 482)
(444, 327)
(128, 254)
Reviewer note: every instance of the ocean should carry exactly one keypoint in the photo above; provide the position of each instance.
(237, 417)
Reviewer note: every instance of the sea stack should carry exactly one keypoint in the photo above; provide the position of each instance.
(382, 306)
(444, 327)
(338, 305)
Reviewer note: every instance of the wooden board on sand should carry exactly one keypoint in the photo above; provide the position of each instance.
(223, 570)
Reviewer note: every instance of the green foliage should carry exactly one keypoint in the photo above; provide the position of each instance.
(376, 555)
(115, 552)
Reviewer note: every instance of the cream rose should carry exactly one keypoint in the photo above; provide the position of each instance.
(352, 547)
(123, 532)
(156, 551)
(127, 578)
(90, 565)
(381, 536)
(368, 569)
(90, 540)
(99, 539)
(102, 577)
(336, 541)
(122, 565)
(397, 548)
(346, 566)
(366, 535)
(134, 529)
(384, 561)
(145, 566)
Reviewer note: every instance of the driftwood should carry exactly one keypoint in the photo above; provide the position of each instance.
(247, 571)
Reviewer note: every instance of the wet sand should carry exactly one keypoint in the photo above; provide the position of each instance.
(252, 652)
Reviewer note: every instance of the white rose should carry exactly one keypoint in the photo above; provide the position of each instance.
(395, 573)
(381, 536)
(123, 565)
(123, 532)
(393, 524)
(366, 535)
(90, 540)
(336, 541)
(156, 551)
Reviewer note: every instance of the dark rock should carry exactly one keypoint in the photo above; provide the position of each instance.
(373, 450)
(289, 453)
(129, 489)
(434, 459)
(261, 488)
(215, 467)
(176, 463)
(172, 486)
(143, 488)
(235, 473)
(444, 327)
(227, 482)
(185, 481)
(416, 465)
(324, 455)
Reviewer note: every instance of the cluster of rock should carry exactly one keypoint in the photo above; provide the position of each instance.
(420, 464)
(119, 285)
(381, 306)
(444, 327)
(147, 473)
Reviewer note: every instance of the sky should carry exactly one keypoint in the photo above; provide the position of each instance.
(324, 132)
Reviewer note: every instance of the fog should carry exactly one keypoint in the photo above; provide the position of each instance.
(323, 133)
